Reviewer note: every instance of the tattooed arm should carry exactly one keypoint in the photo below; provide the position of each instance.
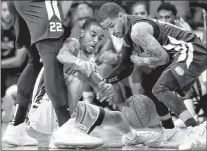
(142, 35)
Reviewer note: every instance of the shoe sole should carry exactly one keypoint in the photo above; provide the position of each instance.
(10, 141)
(75, 145)
(153, 145)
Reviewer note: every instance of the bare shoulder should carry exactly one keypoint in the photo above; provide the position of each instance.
(141, 27)
(72, 45)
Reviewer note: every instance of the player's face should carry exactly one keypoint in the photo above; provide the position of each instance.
(92, 37)
(140, 10)
(5, 14)
(166, 16)
(83, 14)
(116, 26)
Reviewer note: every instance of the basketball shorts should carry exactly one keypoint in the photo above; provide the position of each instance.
(42, 116)
(189, 63)
(37, 20)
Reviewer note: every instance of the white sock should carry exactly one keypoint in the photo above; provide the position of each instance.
(130, 135)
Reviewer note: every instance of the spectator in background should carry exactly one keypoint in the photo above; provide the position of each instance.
(83, 11)
(13, 61)
(140, 8)
(167, 12)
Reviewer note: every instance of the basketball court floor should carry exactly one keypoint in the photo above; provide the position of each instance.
(111, 136)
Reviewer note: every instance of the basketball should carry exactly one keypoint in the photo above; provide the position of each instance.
(138, 111)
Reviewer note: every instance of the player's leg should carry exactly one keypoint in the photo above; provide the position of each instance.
(44, 19)
(16, 131)
(26, 81)
(162, 110)
(175, 78)
(54, 78)
(163, 90)
(129, 135)
(42, 119)
(25, 86)
(24, 92)
(91, 116)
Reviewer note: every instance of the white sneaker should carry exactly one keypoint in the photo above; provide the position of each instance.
(69, 136)
(141, 137)
(169, 138)
(196, 138)
(17, 135)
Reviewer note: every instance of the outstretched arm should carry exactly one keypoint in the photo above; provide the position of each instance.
(142, 35)
(17, 60)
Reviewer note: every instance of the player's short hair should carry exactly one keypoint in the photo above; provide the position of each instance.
(89, 22)
(109, 10)
(146, 4)
(168, 6)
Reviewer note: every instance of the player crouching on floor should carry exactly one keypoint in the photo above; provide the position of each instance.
(78, 71)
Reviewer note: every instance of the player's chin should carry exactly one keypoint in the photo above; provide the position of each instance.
(91, 51)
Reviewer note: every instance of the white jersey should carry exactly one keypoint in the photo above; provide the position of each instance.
(75, 83)
(74, 80)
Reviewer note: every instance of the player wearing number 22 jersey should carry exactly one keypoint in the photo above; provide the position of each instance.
(38, 26)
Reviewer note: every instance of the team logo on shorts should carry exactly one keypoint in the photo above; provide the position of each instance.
(179, 71)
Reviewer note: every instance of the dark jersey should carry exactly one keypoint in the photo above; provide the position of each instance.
(8, 49)
(168, 35)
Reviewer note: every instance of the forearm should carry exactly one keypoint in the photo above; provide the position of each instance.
(10, 63)
(94, 79)
(124, 68)
(119, 73)
(154, 61)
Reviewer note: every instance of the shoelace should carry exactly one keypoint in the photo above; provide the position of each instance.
(147, 136)
(81, 128)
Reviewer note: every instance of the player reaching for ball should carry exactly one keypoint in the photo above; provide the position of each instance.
(155, 43)
(78, 71)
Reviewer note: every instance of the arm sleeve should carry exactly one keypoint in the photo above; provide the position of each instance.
(124, 68)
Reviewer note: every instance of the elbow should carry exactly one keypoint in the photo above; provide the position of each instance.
(166, 59)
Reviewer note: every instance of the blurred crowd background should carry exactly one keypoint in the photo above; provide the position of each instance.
(185, 14)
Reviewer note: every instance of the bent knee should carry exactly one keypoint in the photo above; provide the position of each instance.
(158, 90)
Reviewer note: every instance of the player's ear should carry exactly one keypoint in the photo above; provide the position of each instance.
(121, 15)
(82, 32)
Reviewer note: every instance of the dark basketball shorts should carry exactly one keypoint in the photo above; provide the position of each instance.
(188, 64)
(37, 20)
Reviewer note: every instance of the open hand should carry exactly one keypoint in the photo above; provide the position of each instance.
(106, 91)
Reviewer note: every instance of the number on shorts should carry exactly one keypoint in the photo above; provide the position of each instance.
(55, 27)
